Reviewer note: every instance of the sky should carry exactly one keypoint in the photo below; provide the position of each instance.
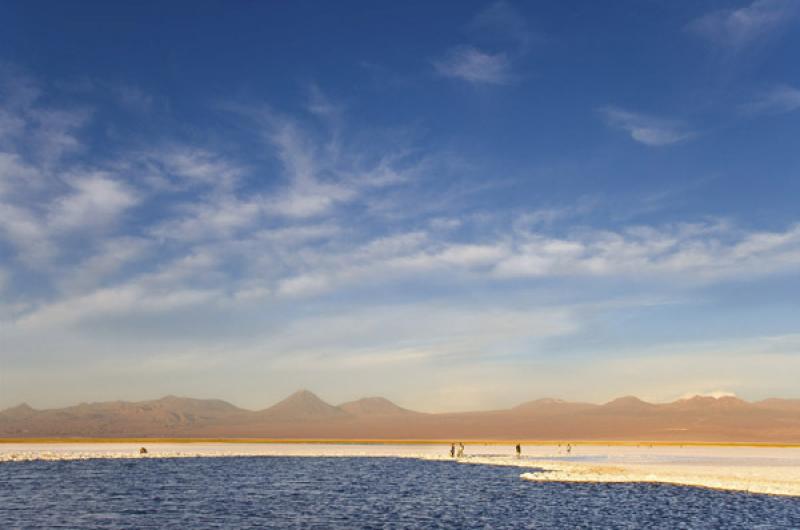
(455, 205)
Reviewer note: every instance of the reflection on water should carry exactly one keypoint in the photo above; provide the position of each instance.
(290, 492)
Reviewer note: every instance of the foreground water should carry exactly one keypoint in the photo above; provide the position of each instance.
(296, 492)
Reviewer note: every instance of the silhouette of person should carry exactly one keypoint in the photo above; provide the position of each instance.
(452, 450)
(519, 450)
(460, 449)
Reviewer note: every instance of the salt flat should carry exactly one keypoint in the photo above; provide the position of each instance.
(758, 469)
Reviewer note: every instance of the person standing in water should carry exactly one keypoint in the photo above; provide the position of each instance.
(519, 450)
(460, 449)
(452, 450)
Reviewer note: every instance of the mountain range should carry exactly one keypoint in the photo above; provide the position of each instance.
(303, 415)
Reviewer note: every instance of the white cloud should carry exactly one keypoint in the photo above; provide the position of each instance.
(309, 199)
(178, 167)
(224, 244)
(111, 255)
(475, 66)
(212, 217)
(736, 29)
(322, 175)
(53, 132)
(291, 236)
(16, 175)
(43, 133)
(126, 300)
(27, 233)
(91, 205)
(94, 202)
(322, 106)
(306, 195)
(688, 253)
(779, 100)
(304, 285)
(648, 130)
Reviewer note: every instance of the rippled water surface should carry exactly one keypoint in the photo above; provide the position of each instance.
(290, 492)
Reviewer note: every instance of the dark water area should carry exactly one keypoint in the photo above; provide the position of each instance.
(347, 493)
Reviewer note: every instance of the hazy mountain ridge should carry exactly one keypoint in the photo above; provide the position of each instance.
(374, 406)
(305, 415)
(302, 405)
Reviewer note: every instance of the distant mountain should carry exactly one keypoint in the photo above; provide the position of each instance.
(707, 403)
(303, 415)
(627, 405)
(373, 406)
(302, 406)
(20, 412)
(163, 415)
(552, 406)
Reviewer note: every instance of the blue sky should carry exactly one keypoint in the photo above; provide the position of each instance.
(455, 205)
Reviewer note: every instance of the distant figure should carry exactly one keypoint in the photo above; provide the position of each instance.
(519, 450)
(460, 450)
(452, 450)
(569, 448)
(142, 451)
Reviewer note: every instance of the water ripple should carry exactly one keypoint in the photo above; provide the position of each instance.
(290, 492)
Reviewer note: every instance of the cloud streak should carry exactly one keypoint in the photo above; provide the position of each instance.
(737, 29)
(645, 129)
(779, 100)
(475, 66)
(321, 249)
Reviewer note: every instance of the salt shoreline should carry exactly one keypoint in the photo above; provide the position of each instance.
(767, 470)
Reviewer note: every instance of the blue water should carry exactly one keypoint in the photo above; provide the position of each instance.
(289, 492)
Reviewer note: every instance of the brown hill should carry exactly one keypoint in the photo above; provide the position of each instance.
(20, 412)
(304, 415)
(547, 406)
(373, 406)
(165, 415)
(302, 406)
(626, 405)
(707, 403)
(788, 405)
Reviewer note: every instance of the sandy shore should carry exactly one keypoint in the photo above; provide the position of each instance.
(773, 470)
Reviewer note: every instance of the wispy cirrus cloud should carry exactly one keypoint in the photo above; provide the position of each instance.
(235, 254)
(470, 64)
(504, 26)
(36, 132)
(647, 129)
(688, 254)
(94, 202)
(736, 29)
(779, 100)
(288, 241)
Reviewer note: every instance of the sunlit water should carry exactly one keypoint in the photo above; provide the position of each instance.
(292, 492)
